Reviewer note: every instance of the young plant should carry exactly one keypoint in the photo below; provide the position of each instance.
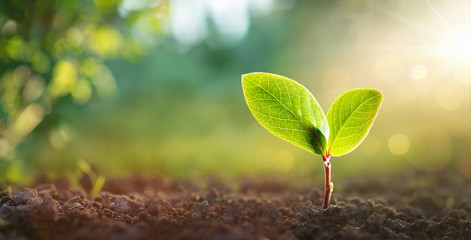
(97, 180)
(289, 111)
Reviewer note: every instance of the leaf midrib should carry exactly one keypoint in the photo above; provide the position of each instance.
(289, 110)
(343, 125)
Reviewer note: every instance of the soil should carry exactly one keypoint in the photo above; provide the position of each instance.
(410, 206)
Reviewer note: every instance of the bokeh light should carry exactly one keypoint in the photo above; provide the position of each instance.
(399, 144)
(418, 72)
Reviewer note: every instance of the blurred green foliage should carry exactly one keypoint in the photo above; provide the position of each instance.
(53, 51)
(153, 86)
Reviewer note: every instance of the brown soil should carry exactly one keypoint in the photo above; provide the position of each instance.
(410, 206)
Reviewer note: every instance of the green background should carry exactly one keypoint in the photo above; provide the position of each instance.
(154, 87)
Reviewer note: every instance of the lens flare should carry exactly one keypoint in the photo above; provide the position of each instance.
(458, 45)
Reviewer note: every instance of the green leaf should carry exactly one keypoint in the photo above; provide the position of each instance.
(350, 118)
(287, 110)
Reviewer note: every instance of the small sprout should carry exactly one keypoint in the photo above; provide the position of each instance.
(98, 185)
(289, 111)
(96, 179)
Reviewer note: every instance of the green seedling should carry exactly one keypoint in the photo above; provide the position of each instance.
(289, 111)
(97, 180)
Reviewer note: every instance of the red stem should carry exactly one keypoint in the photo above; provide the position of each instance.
(329, 186)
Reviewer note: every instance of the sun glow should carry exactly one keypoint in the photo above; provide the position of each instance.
(445, 42)
(459, 45)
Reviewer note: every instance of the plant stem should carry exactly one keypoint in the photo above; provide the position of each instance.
(329, 186)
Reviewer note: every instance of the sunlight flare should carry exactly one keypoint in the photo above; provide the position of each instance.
(458, 46)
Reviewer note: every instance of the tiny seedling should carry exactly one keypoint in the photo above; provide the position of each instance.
(97, 180)
(289, 111)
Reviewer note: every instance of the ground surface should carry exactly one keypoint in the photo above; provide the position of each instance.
(410, 206)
